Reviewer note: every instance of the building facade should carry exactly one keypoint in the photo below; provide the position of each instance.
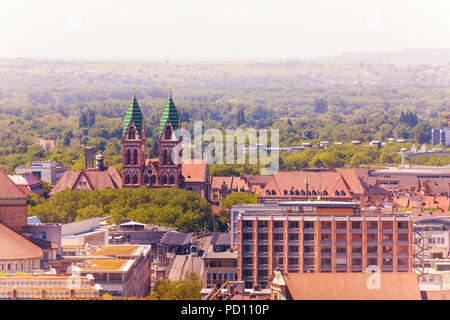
(49, 171)
(319, 236)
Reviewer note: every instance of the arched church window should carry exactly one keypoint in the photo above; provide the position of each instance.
(164, 179)
(135, 157)
(273, 192)
(291, 192)
(336, 193)
(325, 192)
(127, 179)
(146, 179)
(168, 133)
(165, 156)
(285, 192)
(267, 192)
(297, 192)
(171, 179)
(152, 179)
(134, 179)
(342, 193)
(128, 156)
(314, 192)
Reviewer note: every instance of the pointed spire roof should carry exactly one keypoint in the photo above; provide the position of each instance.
(170, 112)
(135, 113)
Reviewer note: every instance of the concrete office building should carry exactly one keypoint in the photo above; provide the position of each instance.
(49, 171)
(319, 236)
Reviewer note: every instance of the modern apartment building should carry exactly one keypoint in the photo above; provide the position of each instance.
(219, 267)
(49, 171)
(319, 236)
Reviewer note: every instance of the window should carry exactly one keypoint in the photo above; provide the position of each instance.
(164, 180)
(135, 178)
(146, 179)
(262, 236)
(336, 193)
(135, 157)
(278, 224)
(153, 179)
(293, 236)
(308, 237)
(247, 236)
(285, 192)
(297, 192)
(325, 193)
(263, 224)
(127, 179)
(293, 224)
(278, 236)
(342, 193)
(171, 179)
(273, 192)
(263, 249)
(165, 156)
(168, 133)
(128, 156)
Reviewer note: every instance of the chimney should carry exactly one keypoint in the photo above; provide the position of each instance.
(99, 162)
(88, 157)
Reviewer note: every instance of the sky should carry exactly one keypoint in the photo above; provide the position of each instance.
(221, 30)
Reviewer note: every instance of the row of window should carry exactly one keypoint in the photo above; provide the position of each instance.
(327, 224)
(221, 276)
(328, 237)
(149, 179)
(303, 193)
(324, 250)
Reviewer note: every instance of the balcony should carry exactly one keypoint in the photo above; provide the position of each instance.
(264, 230)
(293, 254)
(325, 230)
(263, 278)
(387, 230)
(308, 230)
(341, 267)
(308, 254)
(294, 242)
(247, 229)
(263, 254)
(403, 230)
(356, 267)
(325, 242)
(341, 242)
(372, 255)
(387, 267)
(402, 267)
(387, 255)
(356, 255)
(247, 254)
(341, 255)
(278, 242)
(247, 266)
(325, 255)
(277, 254)
(263, 266)
(402, 242)
(387, 241)
(372, 241)
(278, 230)
(247, 278)
(403, 254)
(356, 230)
(372, 230)
(325, 267)
(247, 241)
(356, 242)
(263, 241)
(308, 242)
(308, 267)
(293, 230)
(341, 230)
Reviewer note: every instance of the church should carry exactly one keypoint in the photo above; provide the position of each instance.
(166, 170)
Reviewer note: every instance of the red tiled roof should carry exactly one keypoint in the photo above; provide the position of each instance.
(437, 295)
(14, 246)
(326, 180)
(195, 171)
(96, 179)
(353, 180)
(352, 286)
(217, 182)
(8, 188)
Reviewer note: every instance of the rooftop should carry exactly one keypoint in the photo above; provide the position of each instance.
(119, 250)
(107, 265)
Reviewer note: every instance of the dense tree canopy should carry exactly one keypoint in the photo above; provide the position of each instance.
(173, 207)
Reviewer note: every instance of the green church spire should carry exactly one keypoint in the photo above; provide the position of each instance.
(170, 112)
(135, 113)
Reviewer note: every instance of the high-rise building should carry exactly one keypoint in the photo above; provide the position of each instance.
(319, 236)
(440, 136)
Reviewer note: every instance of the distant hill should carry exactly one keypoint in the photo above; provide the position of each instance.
(405, 57)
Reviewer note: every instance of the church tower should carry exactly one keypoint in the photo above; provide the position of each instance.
(170, 162)
(133, 145)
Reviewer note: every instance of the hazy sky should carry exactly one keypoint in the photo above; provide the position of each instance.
(218, 29)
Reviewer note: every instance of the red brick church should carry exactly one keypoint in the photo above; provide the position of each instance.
(166, 170)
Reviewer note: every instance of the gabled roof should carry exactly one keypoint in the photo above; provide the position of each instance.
(170, 113)
(176, 238)
(14, 246)
(8, 189)
(96, 180)
(135, 113)
(326, 180)
(195, 171)
(353, 286)
(217, 182)
(221, 239)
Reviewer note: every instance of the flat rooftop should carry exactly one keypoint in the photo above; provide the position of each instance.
(107, 265)
(117, 250)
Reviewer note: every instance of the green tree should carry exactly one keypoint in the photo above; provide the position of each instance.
(238, 198)
(186, 289)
